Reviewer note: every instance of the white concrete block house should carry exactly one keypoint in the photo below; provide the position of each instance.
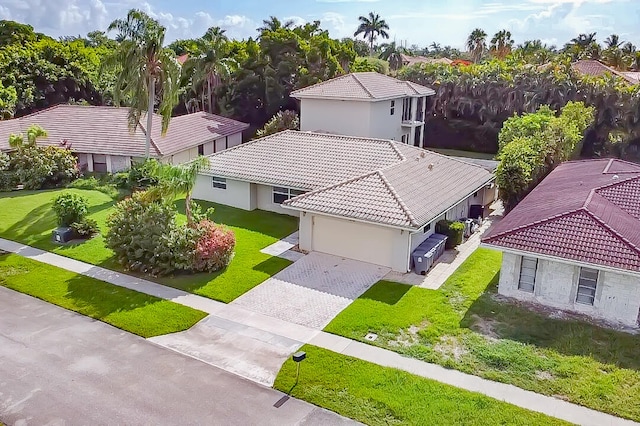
(366, 104)
(574, 242)
(367, 199)
(101, 139)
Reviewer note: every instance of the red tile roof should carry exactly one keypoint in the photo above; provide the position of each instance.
(104, 130)
(598, 69)
(587, 211)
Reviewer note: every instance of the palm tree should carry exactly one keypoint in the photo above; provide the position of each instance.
(501, 44)
(16, 141)
(174, 181)
(613, 41)
(477, 44)
(392, 52)
(211, 66)
(371, 27)
(144, 65)
(274, 24)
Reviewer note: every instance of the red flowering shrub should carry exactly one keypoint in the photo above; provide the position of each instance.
(214, 248)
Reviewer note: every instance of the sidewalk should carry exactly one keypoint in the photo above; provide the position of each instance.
(298, 334)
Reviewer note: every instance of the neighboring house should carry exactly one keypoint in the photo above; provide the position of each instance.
(101, 138)
(408, 60)
(367, 199)
(366, 104)
(574, 242)
(598, 69)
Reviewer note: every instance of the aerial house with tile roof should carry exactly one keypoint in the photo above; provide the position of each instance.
(366, 104)
(372, 200)
(574, 242)
(101, 138)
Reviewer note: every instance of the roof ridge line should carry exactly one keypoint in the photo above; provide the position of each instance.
(609, 228)
(320, 83)
(327, 188)
(362, 85)
(616, 183)
(608, 166)
(398, 200)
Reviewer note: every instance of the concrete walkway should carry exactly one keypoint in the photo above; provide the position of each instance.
(450, 259)
(302, 334)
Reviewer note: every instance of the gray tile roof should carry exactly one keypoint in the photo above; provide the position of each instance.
(408, 194)
(363, 86)
(374, 180)
(104, 130)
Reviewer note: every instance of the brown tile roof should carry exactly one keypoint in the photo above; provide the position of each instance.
(587, 211)
(408, 194)
(362, 86)
(104, 130)
(598, 69)
(412, 60)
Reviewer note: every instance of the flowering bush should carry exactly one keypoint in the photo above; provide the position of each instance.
(40, 167)
(214, 249)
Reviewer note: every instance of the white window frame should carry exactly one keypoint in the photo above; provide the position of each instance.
(218, 182)
(587, 286)
(288, 193)
(529, 283)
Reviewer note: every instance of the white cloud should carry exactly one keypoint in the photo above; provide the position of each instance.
(347, 1)
(297, 20)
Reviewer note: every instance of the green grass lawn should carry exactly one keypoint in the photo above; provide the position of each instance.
(464, 326)
(466, 154)
(26, 217)
(378, 395)
(129, 310)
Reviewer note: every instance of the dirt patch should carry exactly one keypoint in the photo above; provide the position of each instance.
(408, 337)
(544, 375)
(485, 326)
(450, 347)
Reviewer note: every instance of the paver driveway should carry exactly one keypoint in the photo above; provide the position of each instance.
(313, 290)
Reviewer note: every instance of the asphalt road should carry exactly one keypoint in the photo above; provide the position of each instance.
(58, 367)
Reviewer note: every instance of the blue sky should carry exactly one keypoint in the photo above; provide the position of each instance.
(419, 22)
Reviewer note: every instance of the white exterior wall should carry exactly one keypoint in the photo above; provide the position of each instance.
(335, 116)
(119, 163)
(418, 238)
(383, 124)
(238, 193)
(355, 240)
(556, 285)
(265, 201)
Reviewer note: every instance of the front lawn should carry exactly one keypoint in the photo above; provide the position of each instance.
(26, 217)
(378, 395)
(464, 326)
(129, 310)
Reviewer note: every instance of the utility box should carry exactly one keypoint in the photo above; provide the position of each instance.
(62, 235)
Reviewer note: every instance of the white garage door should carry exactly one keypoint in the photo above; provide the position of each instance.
(353, 240)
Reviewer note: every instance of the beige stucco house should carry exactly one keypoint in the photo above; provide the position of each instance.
(574, 242)
(101, 138)
(365, 104)
(367, 199)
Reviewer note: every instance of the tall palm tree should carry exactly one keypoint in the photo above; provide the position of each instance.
(144, 65)
(274, 24)
(501, 44)
(477, 44)
(211, 66)
(613, 41)
(371, 27)
(174, 181)
(391, 52)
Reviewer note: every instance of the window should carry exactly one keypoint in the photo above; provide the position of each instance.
(282, 194)
(528, 268)
(587, 283)
(406, 109)
(393, 107)
(218, 182)
(404, 138)
(99, 163)
(201, 149)
(427, 228)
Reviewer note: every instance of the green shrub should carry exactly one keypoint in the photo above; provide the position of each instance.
(8, 181)
(85, 229)
(283, 120)
(370, 64)
(4, 162)
(141, 175)
(70, 208)
(453, 230)
(38, 167)
(139, 234)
